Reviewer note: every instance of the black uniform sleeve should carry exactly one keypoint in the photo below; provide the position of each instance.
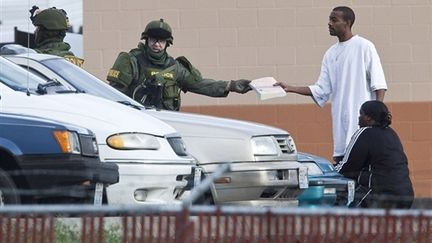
(356, 156)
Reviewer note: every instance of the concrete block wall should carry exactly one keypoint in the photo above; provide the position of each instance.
(285, 39)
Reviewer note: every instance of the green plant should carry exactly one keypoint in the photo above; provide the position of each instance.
(67, 233)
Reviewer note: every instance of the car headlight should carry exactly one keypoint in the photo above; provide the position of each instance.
(68, 141)
(264, 146)
(129, 141)
(313, 169)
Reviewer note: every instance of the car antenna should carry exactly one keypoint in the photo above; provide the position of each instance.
(32, 12)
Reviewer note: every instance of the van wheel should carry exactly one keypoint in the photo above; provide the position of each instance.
(8, 190)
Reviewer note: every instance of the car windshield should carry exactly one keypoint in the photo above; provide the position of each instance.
(86, 82)
(18, 78)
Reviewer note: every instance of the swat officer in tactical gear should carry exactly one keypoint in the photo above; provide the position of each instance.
(51, 25)
(154, 78)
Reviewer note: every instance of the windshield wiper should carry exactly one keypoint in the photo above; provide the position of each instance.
(124, 102)
(53, 86)
(151, 107)
(68, 91)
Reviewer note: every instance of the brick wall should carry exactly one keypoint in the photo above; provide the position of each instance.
(311, 128)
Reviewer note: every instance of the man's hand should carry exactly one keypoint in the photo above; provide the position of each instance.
(240, 86)
(283, 85)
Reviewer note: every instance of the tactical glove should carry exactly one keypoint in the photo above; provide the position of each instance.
(240, 86)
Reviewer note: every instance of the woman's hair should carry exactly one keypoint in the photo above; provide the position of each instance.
(378, 111)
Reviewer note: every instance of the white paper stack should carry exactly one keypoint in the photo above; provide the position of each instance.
(265, 89)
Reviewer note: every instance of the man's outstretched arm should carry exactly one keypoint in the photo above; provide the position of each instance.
(302, 90)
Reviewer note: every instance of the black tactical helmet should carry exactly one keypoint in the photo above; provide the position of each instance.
(158, 29)
(51, 19)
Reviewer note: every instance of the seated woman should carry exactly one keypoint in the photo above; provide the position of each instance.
(376, 160)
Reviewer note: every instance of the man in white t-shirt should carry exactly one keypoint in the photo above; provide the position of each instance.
(351, 73)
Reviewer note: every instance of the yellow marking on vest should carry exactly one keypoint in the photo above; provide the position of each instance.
(165, 75)
(113, 73)
(75, 60)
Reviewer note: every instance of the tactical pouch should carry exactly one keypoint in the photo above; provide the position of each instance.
(171, 96)
(195, 73)
(170, 90)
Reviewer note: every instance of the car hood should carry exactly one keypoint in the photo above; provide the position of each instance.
(95, 113)
(325, 165)
(218, 140)
(188, 124)
(37, 121)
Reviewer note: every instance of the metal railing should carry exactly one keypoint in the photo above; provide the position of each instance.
(190, 223)
(212, 224)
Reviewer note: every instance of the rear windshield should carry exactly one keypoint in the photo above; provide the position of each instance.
(18, 78)
(84, 81)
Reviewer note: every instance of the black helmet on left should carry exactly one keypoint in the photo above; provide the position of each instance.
(158, 29)
(50, 18)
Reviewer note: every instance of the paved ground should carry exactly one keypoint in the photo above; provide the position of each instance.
(422, 203)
